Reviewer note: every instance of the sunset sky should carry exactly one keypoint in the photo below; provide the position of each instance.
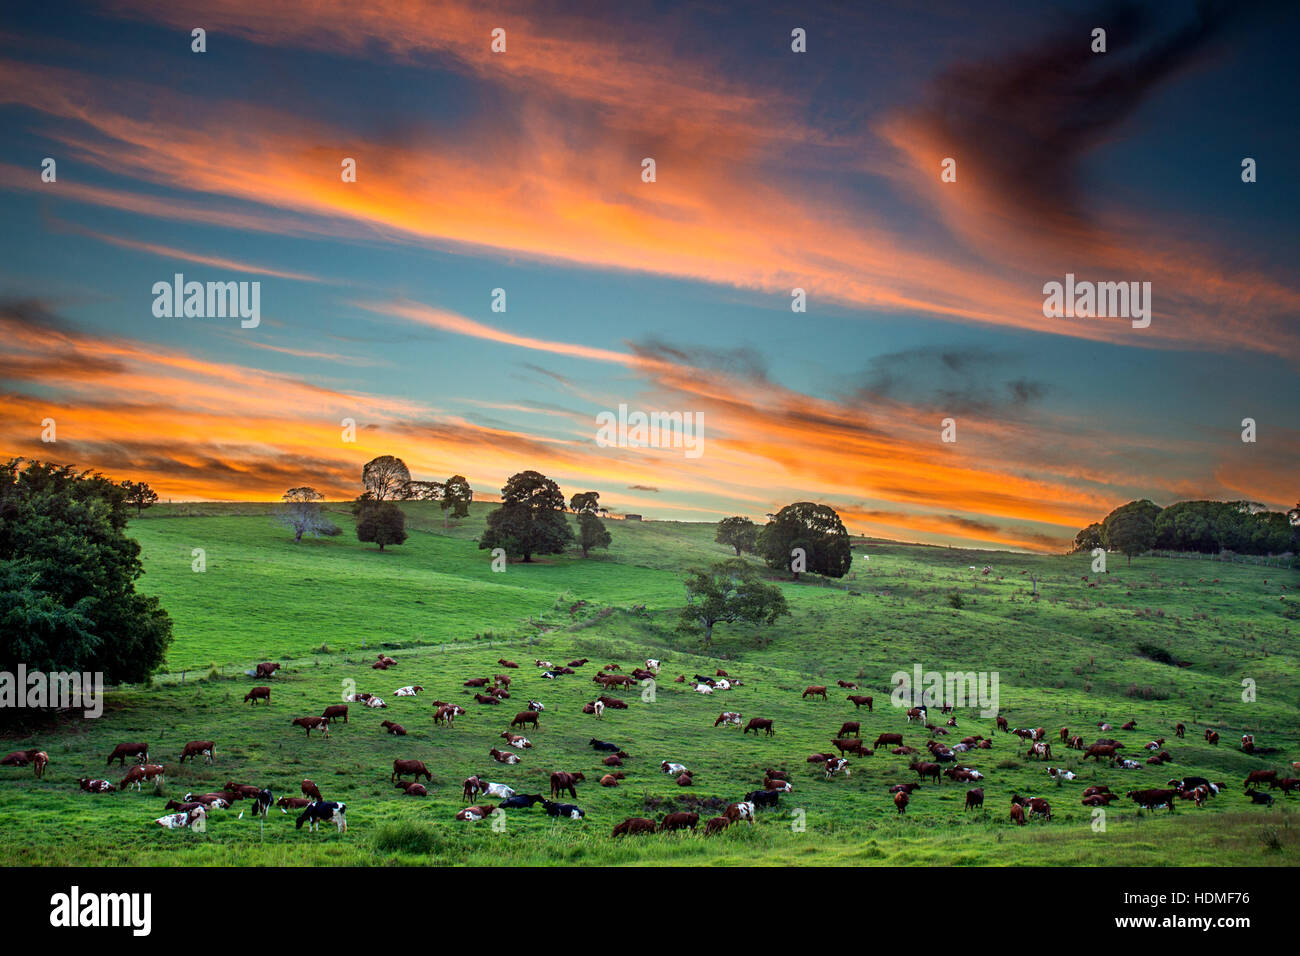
(775, 170)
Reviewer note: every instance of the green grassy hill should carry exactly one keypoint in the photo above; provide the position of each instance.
(1163, 641)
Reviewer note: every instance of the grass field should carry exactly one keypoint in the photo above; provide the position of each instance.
(1070, 655)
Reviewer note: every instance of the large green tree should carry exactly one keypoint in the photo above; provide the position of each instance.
(1131, 529)
(531, 518)
(382, 523)
(592, 533)
(814, 528)
(67, 577)
(739, 533)
(730, 592)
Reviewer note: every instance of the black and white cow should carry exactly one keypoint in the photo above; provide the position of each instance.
(563, 810)
(324, 811)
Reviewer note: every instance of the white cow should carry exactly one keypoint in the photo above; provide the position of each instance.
(499, 790)
(703, 689)
(376, 702)
(180, 821)
(536, 705)
(722, 684)
(652, 665)
(599, 708)
(676, 769)
(407, 691)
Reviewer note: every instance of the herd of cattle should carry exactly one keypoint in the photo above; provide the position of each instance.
(929, 766)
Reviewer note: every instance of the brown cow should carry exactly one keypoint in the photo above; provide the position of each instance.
(414, 767)
(310, 789)
(1097, 751)
(486, 699)
(412, 788)
(266, 669)
(859, 701)
(397, 730)
(852, 746)
(1212, 736)
(39, 759)
(139, 751)
(526, 717)
(891, 739)
(611, 779)
(815, 690)
(1262, 776)
(1180, 729)
(139, 774)
(1017, 814)
(476, 682)
(900, 800)
(293, 803)
(563, 780)
(258, 693)
(679, 821)
(634, 825)
(759, 723)
(505, 663)
(925, 769)
(96, 786)
(335, 711)
(199, 748)
(684, 780)
(850, 727)
(975, 798)
(312, 723)
(716, 825)
(1002, 724)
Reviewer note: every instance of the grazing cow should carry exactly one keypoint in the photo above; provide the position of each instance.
(96, 786)
(744, 810)
(716, 825)
(324, 811)
(1017, 814)
(292, 803)
(860, 701)
(634, 825)
(310, 789)
(850, 727)
(906, 787)
(503, 756)
(446, 714)
(335, 711)
(759, 723)
(413, 767)
(603, 745)
(1037, 806)
(1065, 734)
(563, 780)
(815, 690)
(1262, 776)
(1152, 799)
(262, 803)
(924, 770)
(729, 717)
(1179, 730)
(1289, 784)
(139, 751)
(1191, 783)
(199, 748)
(266, 669)
(1265, 799)
(138, 774)
(312, 723)
(851, 746)
(888, 739)
(900, 801)
(563, 810)
(258, 693)
(1042, 750)
(1097, 751)
(915, 713)
(1002, 724)
(1212, 737)
(478, 812)
(837, 765)
(975, 798)
(526, 717)
(763, 798)
(679, 821)
(397, 730)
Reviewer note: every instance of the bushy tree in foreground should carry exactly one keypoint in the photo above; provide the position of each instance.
(730, 593)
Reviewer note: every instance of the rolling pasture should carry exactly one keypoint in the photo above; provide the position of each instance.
(1163, 641)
